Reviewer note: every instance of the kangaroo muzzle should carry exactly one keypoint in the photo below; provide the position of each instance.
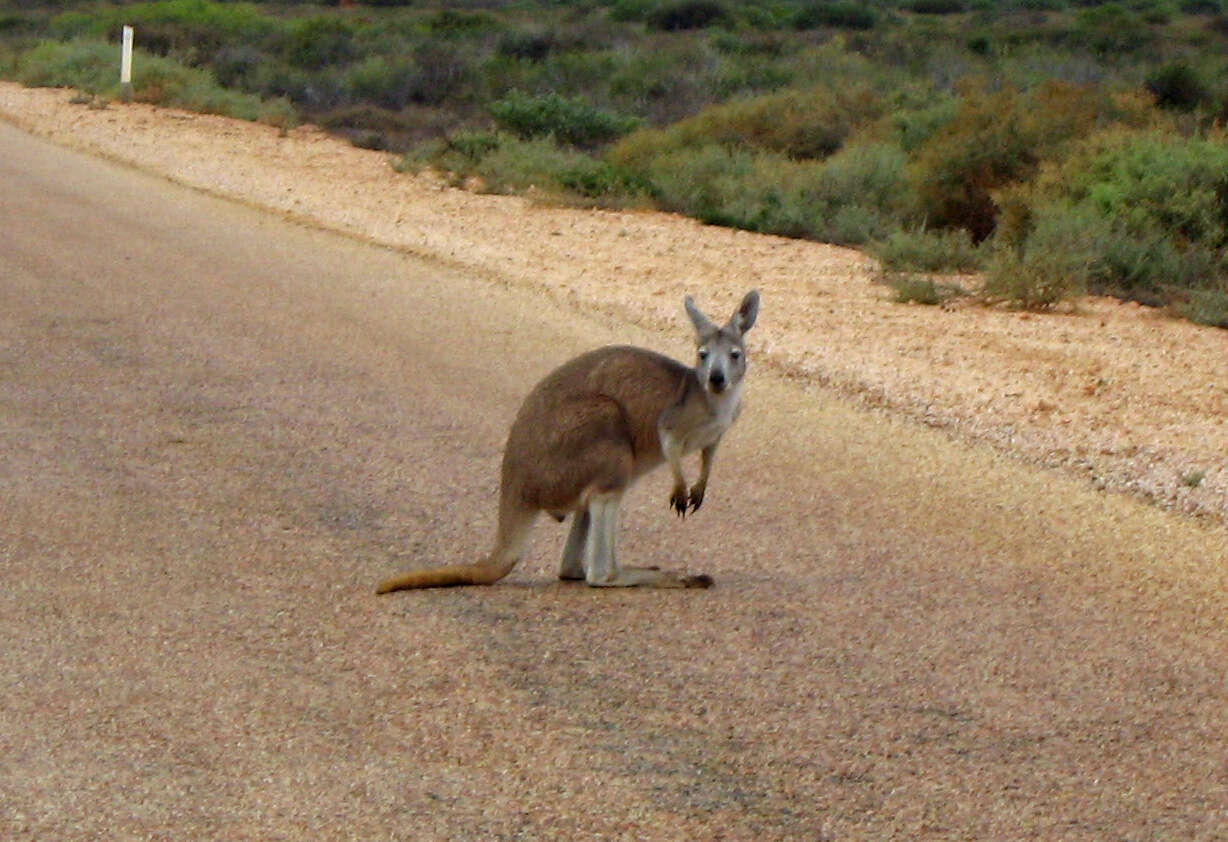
(717, 381)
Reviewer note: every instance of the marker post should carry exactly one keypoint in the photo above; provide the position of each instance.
(125, 67)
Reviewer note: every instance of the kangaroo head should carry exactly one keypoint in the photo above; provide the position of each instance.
(722, 352)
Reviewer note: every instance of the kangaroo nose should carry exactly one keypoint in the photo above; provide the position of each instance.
(717, 380)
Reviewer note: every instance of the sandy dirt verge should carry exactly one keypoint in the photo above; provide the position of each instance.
(1127, 396)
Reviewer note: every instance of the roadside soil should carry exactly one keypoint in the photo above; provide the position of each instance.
(1127, 397)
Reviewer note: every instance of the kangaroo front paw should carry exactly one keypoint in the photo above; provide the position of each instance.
(697, 498)
(679, 500)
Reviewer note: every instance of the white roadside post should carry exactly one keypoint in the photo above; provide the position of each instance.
(125, 67)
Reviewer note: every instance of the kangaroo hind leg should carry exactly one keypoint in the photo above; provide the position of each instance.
(600, 557)
(572, 568)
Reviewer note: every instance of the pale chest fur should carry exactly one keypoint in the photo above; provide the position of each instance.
(703, 422)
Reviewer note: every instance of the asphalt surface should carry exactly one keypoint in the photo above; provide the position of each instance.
(219, 430)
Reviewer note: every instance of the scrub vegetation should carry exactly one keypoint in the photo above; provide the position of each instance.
(1057, 146)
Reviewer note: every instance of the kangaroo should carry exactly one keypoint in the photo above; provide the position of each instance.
(588, 431)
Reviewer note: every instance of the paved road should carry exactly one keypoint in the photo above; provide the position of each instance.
(219, 430)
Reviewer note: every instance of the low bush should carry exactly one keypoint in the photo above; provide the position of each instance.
(924, 250)
(631, 10)
(459, 23)
(1000, 138)
(8, 61)
(389, 83)
(676, 15)
(1138, 215)
(316, 42)
(919, 289)
(444, 74)
(809, 124)
(571, 120)
(85, 65)
(503, 163)
(912, 127)
(239, 66)
(1050, 266)
(667, 79)
(91, 67)
(1178, 86)
(855, 197)
(527, 44)
(843, 14)
(168, 25)
(1112, 29)
(372, 127)
(163, 81)
(1206, 307)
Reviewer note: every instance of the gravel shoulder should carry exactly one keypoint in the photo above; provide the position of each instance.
(1127, 397)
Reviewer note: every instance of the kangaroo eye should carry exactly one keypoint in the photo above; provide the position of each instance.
(736, 353)
(703, 353)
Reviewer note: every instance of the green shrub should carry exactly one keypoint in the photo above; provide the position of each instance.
(704, 182)
(1111, 29)
(163, 81)
(8, 61)
(570, 120)
(870, 174)
(917, 289)
(983, 148)
(631, 10)
(1202, 7)
(667, 80)
(473, 146)
(1000, 138)
(749, 75)
(923, 250)
(168, 25)
(1051, 266)
(444, 74)
(1205, 307)
(1155, 182)
(91, 67)
(387, 82)
(279, 113)
(457, 153)
(1178, 86)
(527, 44)
(457, 23)
(808, 124)
(86, 65)
(844, 14)
(239, 66)
(319, 41)
(852, 198)
(676, 15)
(372, 127)
(1142, 215)
(912, 127)
(1028, 280)
(507, 164)
(937, 7)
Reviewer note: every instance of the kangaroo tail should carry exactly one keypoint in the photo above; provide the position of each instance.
(515, 520)
(446, 577)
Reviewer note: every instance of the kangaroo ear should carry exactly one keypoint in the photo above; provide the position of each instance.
(744, 319)
(703, 326)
